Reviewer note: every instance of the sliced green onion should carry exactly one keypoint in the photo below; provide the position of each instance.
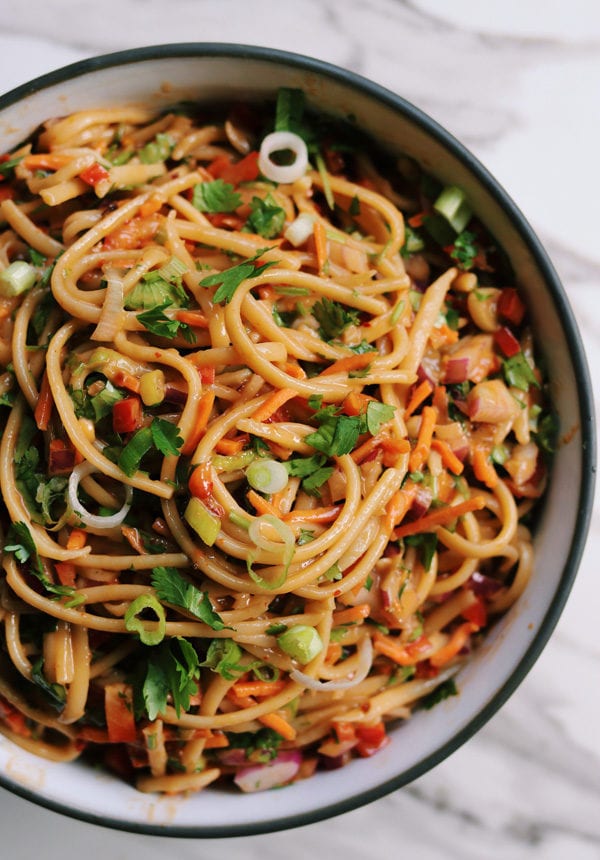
(104, 401)
(320, 162)
(453, 206)
(397, 312)
(301, 642)
(267, 476)
(148, 635)
(232, 462)
(206, 525)
(172, 269)
(132, 454)
(239, 520)
(17, 278)
(300, 229)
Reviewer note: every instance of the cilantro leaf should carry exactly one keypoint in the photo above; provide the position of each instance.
(165, 436)
(444, 691)
(378, 414)
(547, 432)
(20, 542)
(172, 669)
(464, 250)
(333, 318)
(171, 586)
(312, 470)
(305, 536)
(157, 150)
(517, 371)
(215, 196)
(336, 435)
(266, 217)
(56, 693)
(158, 323)
(427, 543)
(49, 493)
(260, 747)
(229, 280)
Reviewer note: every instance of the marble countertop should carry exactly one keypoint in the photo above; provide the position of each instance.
(519, 83)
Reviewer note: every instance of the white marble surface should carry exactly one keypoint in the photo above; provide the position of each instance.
(518, 82)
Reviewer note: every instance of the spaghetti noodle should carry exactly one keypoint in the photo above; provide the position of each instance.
(267, 448)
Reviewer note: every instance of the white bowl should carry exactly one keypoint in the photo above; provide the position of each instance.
(160, 76)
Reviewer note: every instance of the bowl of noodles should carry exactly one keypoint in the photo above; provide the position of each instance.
(296, 456)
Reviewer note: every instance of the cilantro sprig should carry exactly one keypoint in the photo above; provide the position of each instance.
(173, 588)
(266, 217)
(215, 196)
(333, 318)
(229, 280)
(157, 322)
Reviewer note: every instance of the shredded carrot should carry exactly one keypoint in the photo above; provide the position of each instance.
(483, 468)
(260, 505)
(440, 517)
(449, 458)
(205, 405)
(453, 645)
(261, 689)
(216, 740)
(398, 506)
(443, 336)
(355, 403)
(420, 394)
(334, 652)
(445, 487)
(294, 370)
(77, 539)
(314, 515)
(417, 220)
(66, 572)
(278, 450)
(348, 363)
(352, 615)
(46, 161)
(421, 450)
(389, 648)
(231, 446)
(280, 725)
(320, 244)
(195, 319)
(43, 408)
(440, 399)
(393, 449)
(362, 452)
(273, 402)
(151, 205)
(127, 380)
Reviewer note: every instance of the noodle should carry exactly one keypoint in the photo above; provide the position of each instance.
(268, 446)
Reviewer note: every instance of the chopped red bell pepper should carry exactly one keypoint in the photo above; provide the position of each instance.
(371, 739)
(507, 342)
(245, 170)
(510, 306)
(94, 174)
(127, 415)
(118, 710)
(476, 613)
(207, 375)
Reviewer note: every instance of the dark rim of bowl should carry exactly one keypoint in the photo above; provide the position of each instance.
(584, 391)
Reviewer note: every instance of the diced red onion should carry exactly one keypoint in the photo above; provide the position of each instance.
(484, 586)
(457, 370)
(233, 757)
(329, 762)
(421, 502)
(175, 395)
(281, 770)
(60, 462)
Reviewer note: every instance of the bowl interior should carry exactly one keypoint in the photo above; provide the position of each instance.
(160, 77)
